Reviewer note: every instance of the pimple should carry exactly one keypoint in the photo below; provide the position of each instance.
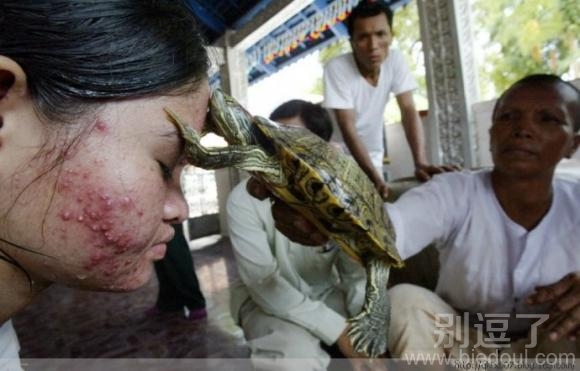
(65, 215)
(102, 127)
(106, 226)
(110, 237)
(126, 201)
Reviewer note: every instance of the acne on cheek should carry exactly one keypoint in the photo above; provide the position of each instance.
(101, 127)
(111, 219)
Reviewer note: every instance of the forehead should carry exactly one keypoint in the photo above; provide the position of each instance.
(370, 24)
(543, 94)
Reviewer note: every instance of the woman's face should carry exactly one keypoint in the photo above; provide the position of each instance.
(533, 129)
(96, 212)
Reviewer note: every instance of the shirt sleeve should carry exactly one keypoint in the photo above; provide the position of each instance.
(337, 87)
(428, 213)
(403, 79)
(252, 232)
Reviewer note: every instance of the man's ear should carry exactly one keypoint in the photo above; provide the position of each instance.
(12, 81)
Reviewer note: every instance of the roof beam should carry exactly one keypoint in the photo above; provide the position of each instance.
(206, 17)
(265, 22)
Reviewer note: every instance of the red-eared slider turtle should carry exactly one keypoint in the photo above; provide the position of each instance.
(324, 185)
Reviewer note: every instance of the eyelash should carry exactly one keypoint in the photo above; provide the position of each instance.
(166, 172)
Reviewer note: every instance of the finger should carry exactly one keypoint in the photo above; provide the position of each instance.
(448, 168)
(435, 170)
(565, 328)
(257, 189)
(384, 190)
(422, 175)
(548, 293)
(567, 302)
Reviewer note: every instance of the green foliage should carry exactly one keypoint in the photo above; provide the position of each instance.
(531, 36)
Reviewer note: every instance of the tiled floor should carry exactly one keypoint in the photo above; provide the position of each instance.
(68, 323)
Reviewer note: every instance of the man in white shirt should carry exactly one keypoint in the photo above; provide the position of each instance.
(357, 87)
(292, 297)
(507, 240)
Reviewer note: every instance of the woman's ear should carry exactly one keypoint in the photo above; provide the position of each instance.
(12, 82)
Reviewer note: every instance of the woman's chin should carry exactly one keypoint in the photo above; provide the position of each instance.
(122, 283)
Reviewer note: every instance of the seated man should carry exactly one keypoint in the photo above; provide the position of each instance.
(508, 240)
(292, 297)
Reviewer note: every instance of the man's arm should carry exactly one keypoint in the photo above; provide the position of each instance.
(416, 137)
(346, 122)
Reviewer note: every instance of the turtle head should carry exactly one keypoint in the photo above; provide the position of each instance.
(227, 118)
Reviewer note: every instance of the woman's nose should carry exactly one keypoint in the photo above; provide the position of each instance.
(175, 208)
(523, 126)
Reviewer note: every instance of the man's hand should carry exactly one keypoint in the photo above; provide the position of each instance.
(424, 172)
(358, 361)
(383, 189)
(564, 296)
(288, 221)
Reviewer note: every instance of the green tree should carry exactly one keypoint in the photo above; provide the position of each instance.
(531, 36)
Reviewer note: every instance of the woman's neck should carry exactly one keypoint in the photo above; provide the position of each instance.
(525, 200)
(17, 290)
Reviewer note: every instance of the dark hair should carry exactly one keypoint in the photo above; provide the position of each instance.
(80, 52)
(366, 9)
(544, 79)
(315, 117)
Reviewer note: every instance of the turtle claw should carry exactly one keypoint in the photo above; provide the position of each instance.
(368, 334)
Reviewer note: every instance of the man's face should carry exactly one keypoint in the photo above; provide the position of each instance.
(533, 129)
(370, 41)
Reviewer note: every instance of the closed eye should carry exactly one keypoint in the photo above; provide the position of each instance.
(549, 118)
(166, 171)
(504, 116)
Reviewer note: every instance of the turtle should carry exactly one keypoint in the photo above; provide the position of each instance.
(320, 182)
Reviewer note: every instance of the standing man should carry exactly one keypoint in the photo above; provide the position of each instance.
(357, 86)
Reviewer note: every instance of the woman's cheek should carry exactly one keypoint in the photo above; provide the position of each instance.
(107, 220)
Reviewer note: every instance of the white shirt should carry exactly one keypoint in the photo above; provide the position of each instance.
(286, 279)
(9, 348)
(489, 263)
(346, 88)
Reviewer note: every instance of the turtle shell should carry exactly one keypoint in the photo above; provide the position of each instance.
(331, 190)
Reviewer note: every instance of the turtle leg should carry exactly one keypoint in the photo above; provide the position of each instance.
(369, 329)
(245, 157)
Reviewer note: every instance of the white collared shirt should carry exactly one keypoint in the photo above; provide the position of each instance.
(489, 263)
